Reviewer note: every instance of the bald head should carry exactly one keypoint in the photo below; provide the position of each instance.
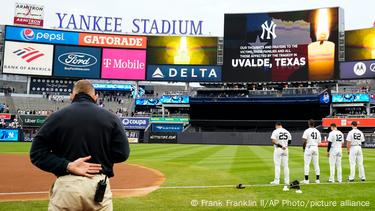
(84, 86)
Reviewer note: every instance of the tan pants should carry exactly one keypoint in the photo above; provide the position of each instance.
(77, 193)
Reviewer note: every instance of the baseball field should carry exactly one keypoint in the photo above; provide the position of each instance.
(203, 177)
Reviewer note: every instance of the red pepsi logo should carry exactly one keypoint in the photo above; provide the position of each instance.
(28, 34)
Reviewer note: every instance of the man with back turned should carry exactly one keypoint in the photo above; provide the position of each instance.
(80, 144)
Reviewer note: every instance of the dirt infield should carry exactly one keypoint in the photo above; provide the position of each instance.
(20, 180)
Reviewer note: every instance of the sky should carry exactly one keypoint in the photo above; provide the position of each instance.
(358, 13)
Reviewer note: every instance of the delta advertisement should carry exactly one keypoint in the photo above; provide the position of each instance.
(41, 35)
(360, 44)
(78, 62)
(183, 73)
(123, 64)
(27, 58)
(283, 46)
(357, 69)
(167, 128)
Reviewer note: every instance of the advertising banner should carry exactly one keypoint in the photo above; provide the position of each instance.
(113, 87)
(123, 64)
(78, 62)
(183, 73)
(41, 35)
(351, 98)
(32, 120)
(169, 120)
(8, 134)
(167, 128)
(51, 85)
(283, 46)
(360, 44)
(156, 137)
(112, 40)
(133, 136)
(357, 69)
(29, 14)
(28, 58)
(135, 122)
(182, 50)
(175, 99)
(5, 116)
(346, 122)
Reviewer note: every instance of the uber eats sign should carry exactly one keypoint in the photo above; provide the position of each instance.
(32, 120)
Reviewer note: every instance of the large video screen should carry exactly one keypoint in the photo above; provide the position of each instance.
(360, 44)
(283, 46)
(182, 50)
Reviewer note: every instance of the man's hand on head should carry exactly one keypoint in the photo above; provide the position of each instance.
(82, 168)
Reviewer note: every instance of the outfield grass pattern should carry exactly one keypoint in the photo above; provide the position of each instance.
(216, 165)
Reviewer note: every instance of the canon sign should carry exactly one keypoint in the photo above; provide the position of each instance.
(135, 123)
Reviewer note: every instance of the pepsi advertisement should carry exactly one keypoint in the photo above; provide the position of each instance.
(41, 35)
(77, 62)
(167, 128)
(8, 135)
(140, 123)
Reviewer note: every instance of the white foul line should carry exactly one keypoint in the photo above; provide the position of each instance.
(195, 187)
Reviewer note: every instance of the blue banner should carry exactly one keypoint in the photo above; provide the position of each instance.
(8, 135)
(41, 35)
(114, 87)
(135, 122)
(167, 127)
(357, 70)
(183, 73)
(175, 99)
(78, 62)
(351, 98)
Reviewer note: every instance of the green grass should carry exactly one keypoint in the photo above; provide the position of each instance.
(213, 165)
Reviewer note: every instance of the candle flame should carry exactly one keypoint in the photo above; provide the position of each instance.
(322, 24)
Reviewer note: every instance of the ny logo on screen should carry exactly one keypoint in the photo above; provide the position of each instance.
(270, 29)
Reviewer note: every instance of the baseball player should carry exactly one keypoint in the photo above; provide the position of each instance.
(354, 141)
(281, 138)
(335, 141)
(311, 139)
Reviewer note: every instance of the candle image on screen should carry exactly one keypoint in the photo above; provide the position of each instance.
(321, 54)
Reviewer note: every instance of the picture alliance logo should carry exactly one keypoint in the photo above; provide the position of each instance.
(29, 34)
(77, 59)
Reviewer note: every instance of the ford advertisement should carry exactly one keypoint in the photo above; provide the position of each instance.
(78, 62)
(140, 123)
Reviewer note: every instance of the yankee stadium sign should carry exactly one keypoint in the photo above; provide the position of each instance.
(96, 23)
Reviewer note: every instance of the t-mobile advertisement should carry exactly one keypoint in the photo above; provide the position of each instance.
(123, 64)
(283, 46)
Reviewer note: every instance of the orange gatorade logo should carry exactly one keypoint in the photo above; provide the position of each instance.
(116, 41)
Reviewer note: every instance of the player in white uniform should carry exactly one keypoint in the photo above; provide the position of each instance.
(354, 141)
(335, 141)
(312, 139)
(281, 138)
